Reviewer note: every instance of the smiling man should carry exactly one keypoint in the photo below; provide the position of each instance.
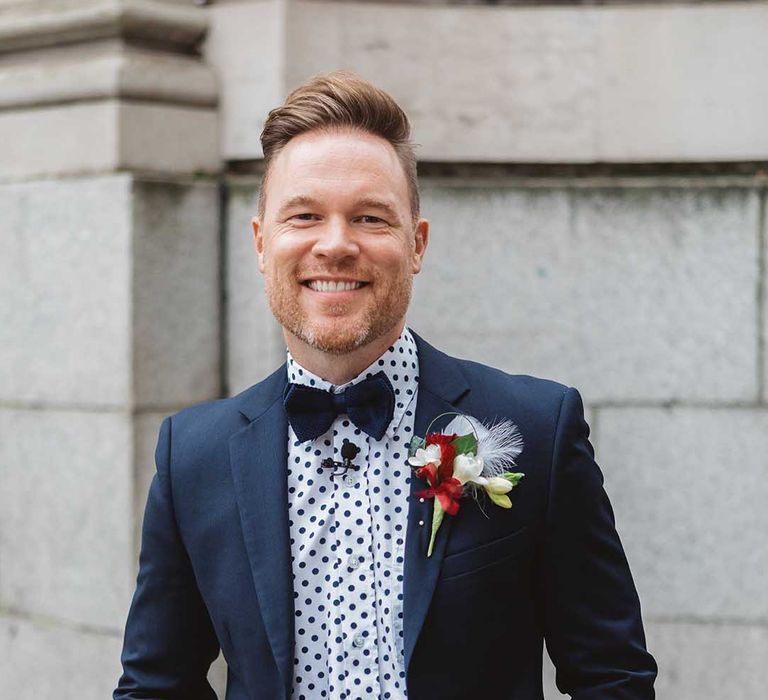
(286, 527)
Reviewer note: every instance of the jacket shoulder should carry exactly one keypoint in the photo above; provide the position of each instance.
(494, 379)
(500, 391)
(485, 384)
(492, 394)
(200, 427)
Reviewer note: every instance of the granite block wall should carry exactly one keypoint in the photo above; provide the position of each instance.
(114, 323)
(128, 291)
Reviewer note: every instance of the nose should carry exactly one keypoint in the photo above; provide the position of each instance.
(336, 240)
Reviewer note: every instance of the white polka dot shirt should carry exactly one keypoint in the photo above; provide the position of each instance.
(348, 542)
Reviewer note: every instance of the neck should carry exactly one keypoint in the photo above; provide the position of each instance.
(340, 369)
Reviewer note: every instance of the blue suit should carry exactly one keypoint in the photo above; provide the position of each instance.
(215, 567)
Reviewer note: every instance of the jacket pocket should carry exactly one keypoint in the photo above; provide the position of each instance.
(487, 554)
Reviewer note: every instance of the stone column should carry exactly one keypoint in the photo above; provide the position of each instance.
(109, 311)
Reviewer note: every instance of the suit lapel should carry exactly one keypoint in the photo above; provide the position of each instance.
(441, 386)
(259, 455)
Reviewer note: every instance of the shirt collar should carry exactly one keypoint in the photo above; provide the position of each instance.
(399, 362)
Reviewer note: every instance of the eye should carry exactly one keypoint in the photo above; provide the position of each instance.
(303, 219)
(372, 220)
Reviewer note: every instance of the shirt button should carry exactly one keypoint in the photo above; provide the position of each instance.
(350, 479)
(358, 640)
(353, 562)
(421, 500)
(421, 522)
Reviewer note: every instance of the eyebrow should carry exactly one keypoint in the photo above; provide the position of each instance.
(365, 203)
(373, 203)
(298, 201)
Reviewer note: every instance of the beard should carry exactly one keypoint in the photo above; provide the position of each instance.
(339, 330)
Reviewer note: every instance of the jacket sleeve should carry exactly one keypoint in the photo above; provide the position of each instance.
(169, 641)
(592, 622)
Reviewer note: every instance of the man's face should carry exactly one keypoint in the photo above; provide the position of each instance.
(338, 245)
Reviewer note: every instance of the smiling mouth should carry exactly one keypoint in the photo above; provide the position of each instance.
(333, 286)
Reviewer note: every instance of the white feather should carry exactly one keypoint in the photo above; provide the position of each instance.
(498, 444)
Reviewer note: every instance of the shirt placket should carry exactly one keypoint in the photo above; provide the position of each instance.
(354, 634)
(357, 609)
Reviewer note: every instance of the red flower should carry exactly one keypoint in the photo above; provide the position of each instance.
(447, 452)
(429, 473)
(439, 439)
(448, 492)
(442, 485)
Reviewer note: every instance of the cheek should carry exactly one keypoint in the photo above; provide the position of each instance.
(282, 256)
(393, 258)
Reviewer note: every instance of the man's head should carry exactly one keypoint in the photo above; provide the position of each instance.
(338, 234)
(333, 101)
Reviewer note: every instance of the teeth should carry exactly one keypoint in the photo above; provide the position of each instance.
(324, 286)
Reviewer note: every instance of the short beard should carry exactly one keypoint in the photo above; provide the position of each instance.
(339, 340)
(333, 346)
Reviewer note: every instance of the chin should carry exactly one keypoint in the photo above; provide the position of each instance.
(335, 338)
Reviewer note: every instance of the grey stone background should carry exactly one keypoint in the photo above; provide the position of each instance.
(596, 180)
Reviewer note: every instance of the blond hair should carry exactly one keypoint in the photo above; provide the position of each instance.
(341, 99)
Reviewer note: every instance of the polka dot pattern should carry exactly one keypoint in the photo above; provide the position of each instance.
(348, 544)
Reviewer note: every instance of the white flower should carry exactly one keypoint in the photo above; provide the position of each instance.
(467, 467)
(424, 456)
(496, 484)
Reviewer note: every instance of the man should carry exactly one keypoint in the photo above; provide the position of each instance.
(285, 525)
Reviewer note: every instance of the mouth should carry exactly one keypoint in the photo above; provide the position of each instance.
(333, 285)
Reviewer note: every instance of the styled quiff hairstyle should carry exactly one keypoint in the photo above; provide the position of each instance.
(341, 99)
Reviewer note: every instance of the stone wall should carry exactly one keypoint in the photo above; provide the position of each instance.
(109, 312)
(544, 83)
(596, 181)
(114, 280)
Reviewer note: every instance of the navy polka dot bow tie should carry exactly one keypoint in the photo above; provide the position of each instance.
(369, 404)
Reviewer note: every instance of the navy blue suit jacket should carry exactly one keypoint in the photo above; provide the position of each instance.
(215, 566)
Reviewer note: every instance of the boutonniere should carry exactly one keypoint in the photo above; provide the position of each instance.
(466, 458)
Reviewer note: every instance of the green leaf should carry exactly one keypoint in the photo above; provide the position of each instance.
(513, 477)
(500, 499)
(465, 444)
(437, 518)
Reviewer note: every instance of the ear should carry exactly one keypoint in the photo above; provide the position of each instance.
(421, 238)
(258, 240)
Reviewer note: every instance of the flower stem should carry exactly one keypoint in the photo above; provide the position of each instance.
(437, 518)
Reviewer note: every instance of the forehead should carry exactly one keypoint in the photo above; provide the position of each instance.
(339, 165)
